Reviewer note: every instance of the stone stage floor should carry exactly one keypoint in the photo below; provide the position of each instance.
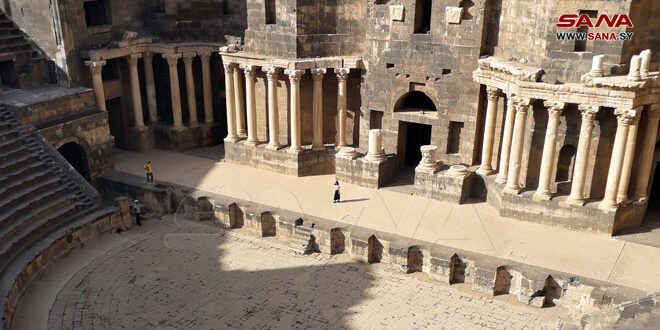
(476, 227)
(177, 274)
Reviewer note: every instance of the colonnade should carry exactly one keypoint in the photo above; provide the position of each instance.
(172, 61)
(619, 175)
(236, 123)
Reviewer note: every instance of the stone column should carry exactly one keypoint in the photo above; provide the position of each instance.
(97, 80)
(486, 167)
(515, 160)
(238, 103)
(250, 102)
(342, 76)
(294, 82)
(646, 156)
(577, 195)
(317, 115)
(503, 168)
(173, 61)
(428, 162)
(273, 115)
(624, 182)
(151, 88)
(135, 90)
(375, 152)
(624, 119)
(190, 89)
(229, 99)
(549, 150)
(206, 82)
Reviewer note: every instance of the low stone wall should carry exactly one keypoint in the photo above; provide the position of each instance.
(531, 285)
(365, 173)
(180, 140)
(93, 226)
(304, 163)
(155, 197)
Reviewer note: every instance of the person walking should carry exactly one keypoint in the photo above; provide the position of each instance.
(137, 211)
(149, 171)
(337, 195)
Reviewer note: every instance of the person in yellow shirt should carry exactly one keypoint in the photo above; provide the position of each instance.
(150, 173)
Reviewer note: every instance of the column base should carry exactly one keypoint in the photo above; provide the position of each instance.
(485, 170)
(375, 158)
(295, 150)
(273, 147)
(140, 139)
(542, 196)
(318, 147)
(209, 134)
(174, 138)
(511, 191)
(501, 180)
(232, 139)
(573, 201)
(251, 143)
(608, 206)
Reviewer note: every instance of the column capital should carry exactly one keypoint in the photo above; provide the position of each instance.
(249, 70)
(204, 55)
(271, 72)
(554, 108)
(95, 66)
(148, 55)
(134, 57)
(294, 75)
(189, 56)
(172, 59)
(589, 112)
(625, 117)
(342, 73)
(317, 73)
(522, 104)
(493, 93)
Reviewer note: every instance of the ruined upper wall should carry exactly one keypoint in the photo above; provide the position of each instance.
(527, 32)
(276, 37)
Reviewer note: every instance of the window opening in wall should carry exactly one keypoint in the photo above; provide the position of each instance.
(454, 141)
(7, 75)
(581, 45)
(375, 119)
(446, 71)
(97, 12)
(468, 9)
(382, 2)
(423, 16)
(270, 9)
(225, 7)
(389, 65)
(52, 71)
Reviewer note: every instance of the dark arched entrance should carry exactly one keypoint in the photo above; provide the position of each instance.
(76, 156)
(654, 194)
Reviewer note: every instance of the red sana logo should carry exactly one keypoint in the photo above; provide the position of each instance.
(575, 20)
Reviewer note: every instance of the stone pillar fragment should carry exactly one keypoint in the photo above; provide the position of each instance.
(250, 102)
(428, 163)
(135, 90)
(273, 115)
(577, 195)
(624, 182)
(375, 152)
(646, 160)
(507, 136)
(96, 67)
(229, 100)
(294, 82)
(624, 119)
(173, 61)
(317, 115)
(190, 89)
(342, 76)
(486, 167)
(513, 181)
(549, 151)
(634, 74)
(151, 88)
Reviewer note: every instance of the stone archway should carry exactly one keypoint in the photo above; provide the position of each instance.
(75, 154)
(337, 241)
(236, 216)
(268, 225)
(374, 251)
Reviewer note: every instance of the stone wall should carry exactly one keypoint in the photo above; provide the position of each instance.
(364, 173)
(305, 163)
(278, 39)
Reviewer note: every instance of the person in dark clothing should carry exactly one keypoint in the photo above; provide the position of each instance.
(137, 211)
(337, 194)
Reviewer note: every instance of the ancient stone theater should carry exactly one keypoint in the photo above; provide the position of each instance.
(510, 147)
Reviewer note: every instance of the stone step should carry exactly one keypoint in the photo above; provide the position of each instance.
(53, 209)
(7, 134)
(18, 188)
(11, 165)
(10, 143)
(17, 47)
(301, 239)
(37, 197)
(12, 38)
(16, 150)
(20, 172)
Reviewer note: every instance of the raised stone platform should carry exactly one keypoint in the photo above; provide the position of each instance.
(451, 183)
(355, 168)
(303, 163)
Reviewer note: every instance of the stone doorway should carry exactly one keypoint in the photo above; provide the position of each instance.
(654, 195)
(76, 156)
(116, 122)
(411, 137)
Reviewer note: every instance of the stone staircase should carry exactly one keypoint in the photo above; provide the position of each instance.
(41, 197)
(15, 46)
(301, 240)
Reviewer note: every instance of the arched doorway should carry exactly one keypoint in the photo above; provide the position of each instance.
(654, 194)
(76, 156)
(565, 166)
